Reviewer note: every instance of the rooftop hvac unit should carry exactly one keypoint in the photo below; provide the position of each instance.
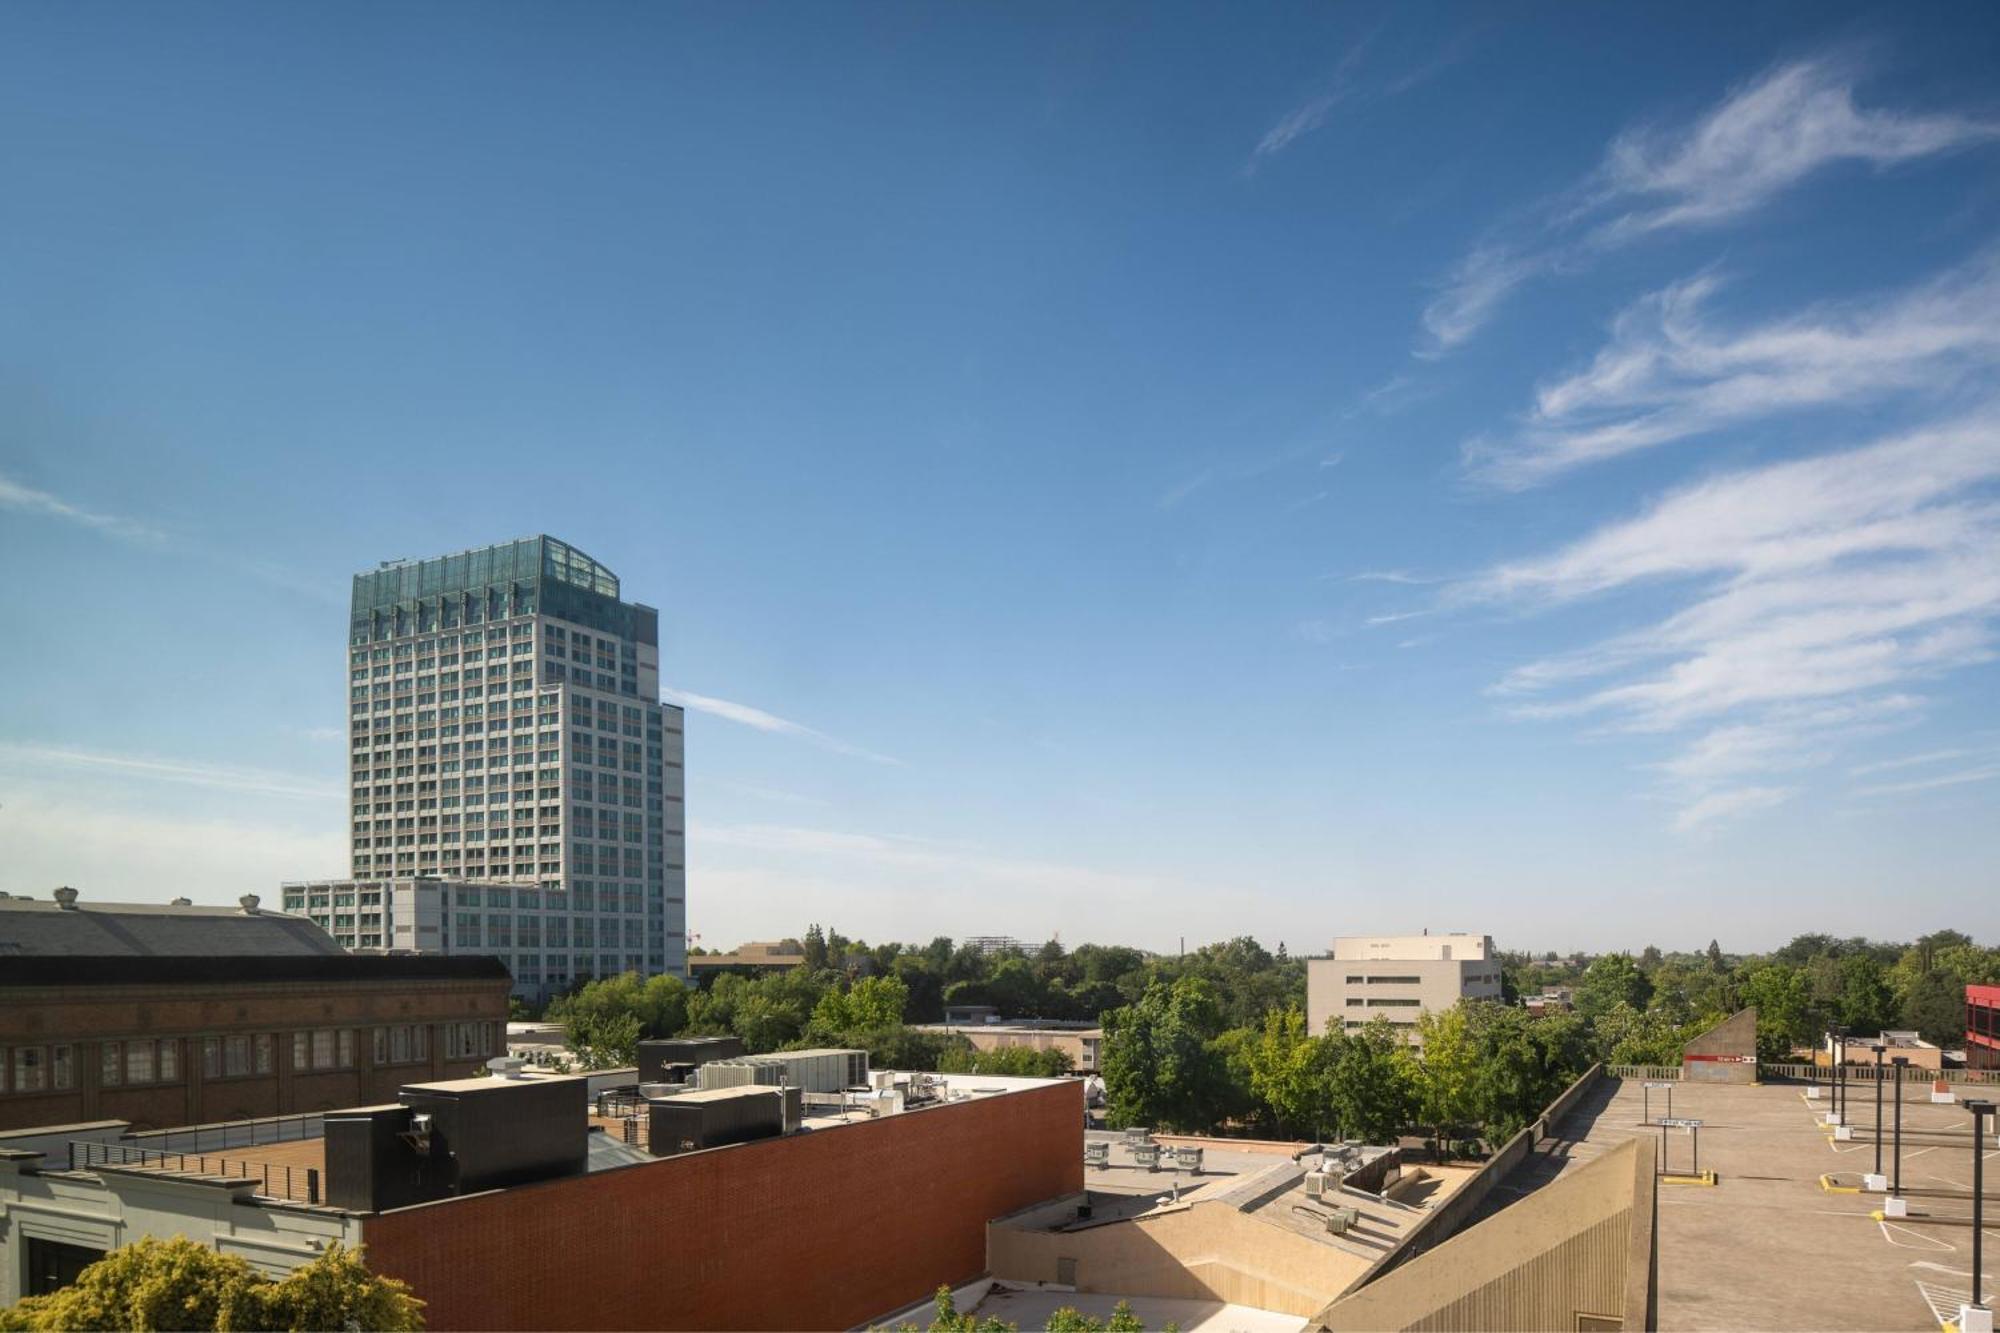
(1342, 1220)
(1315, 1185)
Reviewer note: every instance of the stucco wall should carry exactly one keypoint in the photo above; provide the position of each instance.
(1726, 1053)
(1570, 1248)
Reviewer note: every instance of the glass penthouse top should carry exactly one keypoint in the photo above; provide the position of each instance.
(399, 581)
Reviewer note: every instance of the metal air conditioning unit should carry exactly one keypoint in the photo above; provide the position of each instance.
(1341, 1220)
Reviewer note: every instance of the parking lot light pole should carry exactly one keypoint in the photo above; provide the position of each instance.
(1840, 1068)
(1896, 1189)
(1980, 1110)
(1878, 1048)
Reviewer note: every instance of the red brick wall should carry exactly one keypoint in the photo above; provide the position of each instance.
(83, 1016)
(821, 1230)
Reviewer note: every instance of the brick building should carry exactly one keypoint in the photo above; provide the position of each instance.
(1982, 1027)
(534, 1220)
(166, 1040)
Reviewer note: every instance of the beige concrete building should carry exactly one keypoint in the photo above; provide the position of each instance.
(1398, 977)
(1081, 1042)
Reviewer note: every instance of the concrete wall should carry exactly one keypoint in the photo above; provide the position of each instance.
(111, 1209)
(821, 1230)
(1421, 985)
(1726, 1053)
(1582, 1245)
(1455, 1211)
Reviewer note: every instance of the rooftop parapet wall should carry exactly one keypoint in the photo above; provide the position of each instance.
(740, 1237)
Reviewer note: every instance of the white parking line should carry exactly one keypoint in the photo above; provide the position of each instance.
(1931, 1242)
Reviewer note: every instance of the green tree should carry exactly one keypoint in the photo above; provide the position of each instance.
(1015, 1061)
(947, 1319)
(1369, 1083)
(179, 1285)
(1290, 1069)
(1935, 1007)
(609, 1041)
(1159, 1066)
(1864, 1002)
(1444, 1071)
(660, 1004)
(1785, 1014)
(1612, 980)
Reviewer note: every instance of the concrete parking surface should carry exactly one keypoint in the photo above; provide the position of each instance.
(1770, 1246)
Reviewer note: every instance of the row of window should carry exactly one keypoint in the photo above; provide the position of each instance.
(1381, 1002)
(145, 1061)
(1356, 980)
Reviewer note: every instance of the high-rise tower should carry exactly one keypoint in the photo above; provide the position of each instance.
(507, 738)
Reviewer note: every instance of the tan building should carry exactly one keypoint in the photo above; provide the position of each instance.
(1398, 977)
(753, 959)
(1081, 1042)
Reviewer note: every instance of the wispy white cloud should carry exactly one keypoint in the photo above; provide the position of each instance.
(1472, 291)
(26, 499)
(1314, 631)
(1669, 374)
(759, 720)
(1958, 779)
(1301, 119)
(1345, 85)
(1730, 803)
(1397, 576)
(1393, 617)
(1906, 761)
(1814, 596)
(1764, 138)
(25, 758)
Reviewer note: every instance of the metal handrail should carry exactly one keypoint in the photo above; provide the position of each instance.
(295, 1184)
(238, 1133)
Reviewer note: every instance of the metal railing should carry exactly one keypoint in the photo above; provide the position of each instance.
(299, 1184)
(225, 1134)
(1656, 1073)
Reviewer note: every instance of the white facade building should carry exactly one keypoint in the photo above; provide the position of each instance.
(511, 762)
(1397, 977)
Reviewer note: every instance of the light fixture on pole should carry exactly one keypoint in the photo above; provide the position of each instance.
(1896, 1205)
(1876, 1181)
(1977, 1316)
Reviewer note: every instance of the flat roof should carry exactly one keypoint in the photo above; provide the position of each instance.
(1785, 1239)
(242, 969)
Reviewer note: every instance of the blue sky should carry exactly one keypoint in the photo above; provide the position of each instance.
(1130, 471)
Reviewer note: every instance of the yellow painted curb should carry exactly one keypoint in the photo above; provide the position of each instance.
(1878, 1215)
(1705, 1178)
(1826, 1183)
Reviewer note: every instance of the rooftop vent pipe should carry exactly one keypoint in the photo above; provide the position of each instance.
(249, 904)
(181, 902)
(66, 898)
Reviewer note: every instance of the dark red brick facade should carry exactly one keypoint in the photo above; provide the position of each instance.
(821, 1230)
(81, 1018)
